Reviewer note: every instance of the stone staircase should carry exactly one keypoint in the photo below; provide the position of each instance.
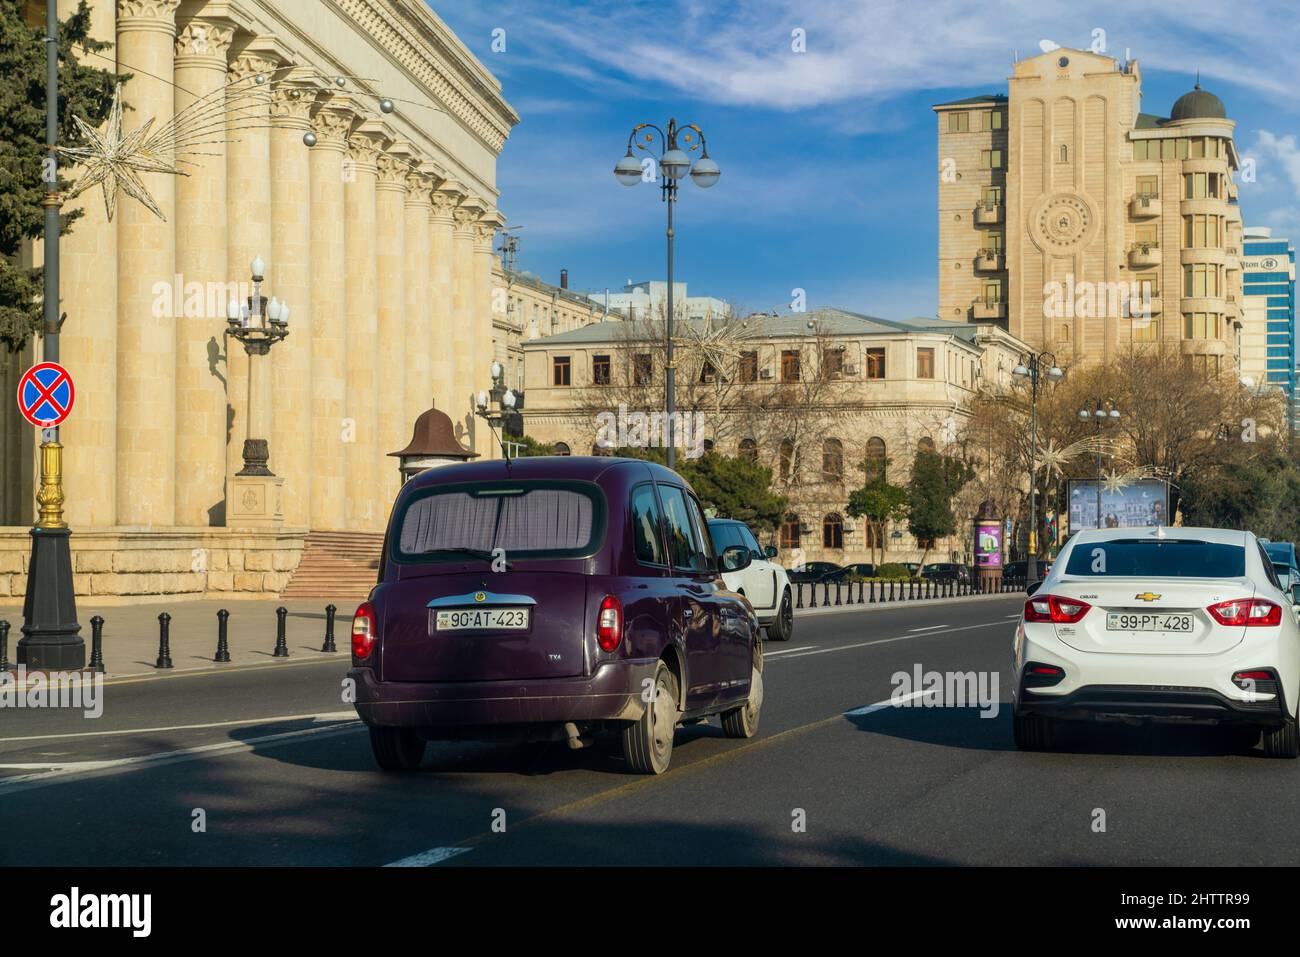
(336, 565)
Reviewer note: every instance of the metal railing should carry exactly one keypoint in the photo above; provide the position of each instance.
(825, 594)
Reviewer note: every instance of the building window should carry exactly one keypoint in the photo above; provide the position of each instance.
(1146, 330)
(1201, 232)
(991, 196)
(707, 372)
(1201, 280)
(1201, 325)
(642, 373)
(925, 363)
(993, 120)
(790, 365)
(1205, 365)
(788, 462)
(600, 370)
(925, 444)
(1147, 236)
(1063, 154)
(747, 367)
(749, 449)
(560, 370)
(874, 464)
(958, 122)
(990, 159)
(789, 534)
(709, 446)
(1148, 187)
(561, 448)
(992, 245)
(875, 363)
(833, 364)
(1064, 332)
(1201, 186)
(832, 460)
(833, 531)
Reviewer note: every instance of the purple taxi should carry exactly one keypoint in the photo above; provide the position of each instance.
(553, 598)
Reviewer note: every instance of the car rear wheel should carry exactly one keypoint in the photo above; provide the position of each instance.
(397, 749)
(742, 722)
(782, 626)
(648, 741)
(1284, 741)
(1033, 732)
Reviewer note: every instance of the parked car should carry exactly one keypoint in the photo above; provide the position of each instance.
(764, 582)
(553, 598)
(947, 572)
(1167, 624)
(1019, 570)
(851, 572)
(812, 571)
(1282, 554)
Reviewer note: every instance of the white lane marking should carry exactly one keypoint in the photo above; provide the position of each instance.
(784, 651)
(885, 641)
(928, 628)
(887, 703)
(25, 782)
(435, 855)
(327, 716)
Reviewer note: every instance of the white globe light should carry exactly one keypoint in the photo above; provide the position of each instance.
(258, 267)
(273, 309)
(627, 170)
(496, 370)
(705, 172)
(508, 400)
(232, 310)
(284, 313)
(482, 400)
(675, 164)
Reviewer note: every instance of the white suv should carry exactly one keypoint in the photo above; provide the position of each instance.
(1165, 624)
(763, 582)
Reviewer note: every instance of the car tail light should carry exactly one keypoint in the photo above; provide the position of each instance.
(1246, 611)
(1053, 608)
(363, 630)
(1038, 675)
(609, 623)
(1259, 681)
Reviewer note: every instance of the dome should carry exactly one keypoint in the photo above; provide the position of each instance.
(1198, 104)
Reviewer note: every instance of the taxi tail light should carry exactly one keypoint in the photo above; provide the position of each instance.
(1053, 608)
(363, 630)
(609, 623)
(1246, 611)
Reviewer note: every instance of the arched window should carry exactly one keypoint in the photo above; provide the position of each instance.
(789, 462)
(833, 531)
(926, 444)
(562, 448)
(749, 449)
(789, 533)
(875, 458)
(873, 536)
(708, 446)
(832, 460)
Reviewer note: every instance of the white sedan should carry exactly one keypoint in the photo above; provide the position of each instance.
(763, 582)
(1165, 624)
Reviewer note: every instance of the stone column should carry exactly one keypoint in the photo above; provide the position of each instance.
(442, 294)
(419, 341)
(248, 212)
(468, 376)
(291, 239)
(146, 257)
(331, 123)
(201, 275)
(485, 231)
(359, 298)
(88, 345)
(394, 429)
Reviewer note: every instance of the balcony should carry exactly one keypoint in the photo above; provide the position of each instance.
(988, 214)
(1144, 255)
(988, 260)
(984, 308)
(1144, 207)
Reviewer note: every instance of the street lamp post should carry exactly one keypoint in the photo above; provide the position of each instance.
(1035, 367)
(258, 324)
(1099, 417)
(673, 165)
(507, 402)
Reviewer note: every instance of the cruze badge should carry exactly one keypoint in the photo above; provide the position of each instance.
(1146, 596)
(480, 596)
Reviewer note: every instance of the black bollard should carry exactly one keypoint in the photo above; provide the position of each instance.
(223, 636)
(164, 641)
(812, 595)
(871, 592)
(826, 594)
(4, 645)
(798, 594)
(281, 645)
(861, 585)
(891, 590)
(837, 594)
(329, 629)
(97, 644)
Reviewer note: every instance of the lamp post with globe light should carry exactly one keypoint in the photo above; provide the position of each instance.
(1100, 416)
(1035, 368)
(507, 402)
(673, 164)
(258, 323)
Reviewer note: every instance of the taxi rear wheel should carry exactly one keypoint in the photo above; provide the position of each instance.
(648, 741)
(742, 722)
(397, 749)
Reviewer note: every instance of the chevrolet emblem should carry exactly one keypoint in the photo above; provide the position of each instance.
(480, 596)
(1146, 596)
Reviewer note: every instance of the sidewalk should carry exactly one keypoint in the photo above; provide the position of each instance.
(131, 634)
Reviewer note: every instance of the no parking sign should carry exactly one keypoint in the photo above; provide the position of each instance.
(45, 394)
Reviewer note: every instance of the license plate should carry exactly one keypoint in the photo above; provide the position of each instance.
(481, 619)
(1148, 621)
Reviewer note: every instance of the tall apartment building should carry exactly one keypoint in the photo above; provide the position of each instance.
(1268, 336)
(1085, 224)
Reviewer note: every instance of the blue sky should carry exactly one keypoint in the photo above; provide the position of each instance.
(828, 157)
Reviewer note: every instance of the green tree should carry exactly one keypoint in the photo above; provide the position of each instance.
(935, 480)
(528, 446)
(878, 502)
(1261, 494)
(83, 91)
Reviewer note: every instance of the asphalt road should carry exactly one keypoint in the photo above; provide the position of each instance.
(282, 774)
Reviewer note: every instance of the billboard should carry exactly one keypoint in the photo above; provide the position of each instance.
(1143, 502)
(988, 544)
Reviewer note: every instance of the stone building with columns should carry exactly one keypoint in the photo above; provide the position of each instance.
(364, 174)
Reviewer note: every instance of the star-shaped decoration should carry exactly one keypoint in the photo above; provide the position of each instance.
(113, 160)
